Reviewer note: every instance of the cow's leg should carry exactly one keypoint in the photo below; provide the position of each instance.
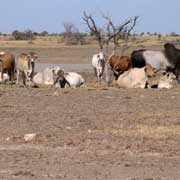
(99, 75)
(2, 72)
(96, 74)
(17, 76)
(27, 79)
(24, 78)
(10, 74)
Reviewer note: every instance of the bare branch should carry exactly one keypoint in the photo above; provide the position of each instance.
(93, 28)
(110, 23)
(133, 24)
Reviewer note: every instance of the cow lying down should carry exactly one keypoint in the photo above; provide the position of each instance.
(166, 81)
(58, 78)
(133, 78)
(46, 76)
(137, 78)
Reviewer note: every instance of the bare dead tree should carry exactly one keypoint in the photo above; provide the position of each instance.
(111, 33)
(122, 32)
(71, 33)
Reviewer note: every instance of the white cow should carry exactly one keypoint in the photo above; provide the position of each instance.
(74, 79)
(46, 76)
(165, 81)
(133, 78)
(98, 63)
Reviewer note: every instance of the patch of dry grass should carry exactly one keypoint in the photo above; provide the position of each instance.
(144, 131)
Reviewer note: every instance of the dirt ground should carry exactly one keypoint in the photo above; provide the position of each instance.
(89, 133)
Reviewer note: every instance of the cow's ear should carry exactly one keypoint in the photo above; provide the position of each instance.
(164, 73)
(60, 73)
(28, 56)
(35, 56)
(155, 70)
(53, 71)
(145, 69)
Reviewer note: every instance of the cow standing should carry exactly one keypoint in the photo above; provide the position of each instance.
(119, 64)
(98, 63)
(25, 65)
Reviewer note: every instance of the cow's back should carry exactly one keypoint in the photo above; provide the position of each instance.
(122, 63)
(74, 79)
(8, 61)
(137, 58)
(134, 78)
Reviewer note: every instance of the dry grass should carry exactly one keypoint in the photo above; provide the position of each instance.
(56, 42)
(155, 132)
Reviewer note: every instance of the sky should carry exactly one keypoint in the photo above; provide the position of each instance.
(160, 16)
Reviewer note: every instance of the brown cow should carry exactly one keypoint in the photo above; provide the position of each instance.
(119, 64)
(7, 65)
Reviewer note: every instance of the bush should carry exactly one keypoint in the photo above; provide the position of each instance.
(174, 34)
(44, 33)
(71, 34)
(26, 35)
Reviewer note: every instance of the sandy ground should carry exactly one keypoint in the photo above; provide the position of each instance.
(89, 133)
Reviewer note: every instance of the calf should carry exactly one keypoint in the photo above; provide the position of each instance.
(119, 64)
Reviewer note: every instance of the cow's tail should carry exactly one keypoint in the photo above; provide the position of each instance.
(1, 62)
(13, 68)
(1, 65)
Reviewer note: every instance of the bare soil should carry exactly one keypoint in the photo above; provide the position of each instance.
(89, 133)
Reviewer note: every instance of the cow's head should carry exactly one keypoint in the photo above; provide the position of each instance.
(29, 69)
(59, 78)
(150, 71)
(31, 63)
(33, 56)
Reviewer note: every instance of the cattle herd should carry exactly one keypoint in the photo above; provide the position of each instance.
(133, 71)
(125, 71)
